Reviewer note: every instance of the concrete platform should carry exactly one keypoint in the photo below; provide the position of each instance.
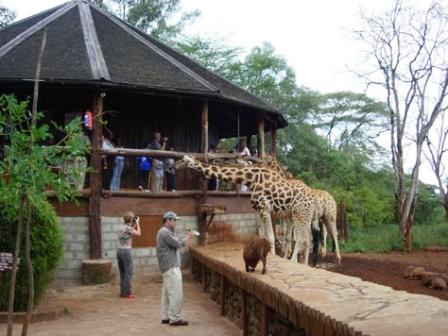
(326, 303)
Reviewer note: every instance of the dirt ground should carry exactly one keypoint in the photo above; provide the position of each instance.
(388, 269)
(97, 311)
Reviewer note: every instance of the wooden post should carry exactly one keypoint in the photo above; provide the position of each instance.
(243, 313)
(152, 177)
(264, 330)
(95, 247)
(260, 135)
(222, 293)
(204, 129)
(273, 142)
(204, 182)
(204, 279)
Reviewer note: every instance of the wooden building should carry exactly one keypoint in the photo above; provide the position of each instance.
(94, 61)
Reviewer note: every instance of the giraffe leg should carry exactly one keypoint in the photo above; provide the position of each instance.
(324, 244)
(331, 227)
(307, 248)
(288, 240)
(302, 234)
(265, 217)
(261, 231)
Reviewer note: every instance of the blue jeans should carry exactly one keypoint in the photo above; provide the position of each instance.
(124, 260)
(116, 176)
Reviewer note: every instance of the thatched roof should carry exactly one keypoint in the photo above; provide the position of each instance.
(87, 46)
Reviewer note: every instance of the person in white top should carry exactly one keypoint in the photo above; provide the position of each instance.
(127, 230)
(243, 151)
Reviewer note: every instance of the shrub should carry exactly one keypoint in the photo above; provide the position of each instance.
(379, 239)
(46, 251)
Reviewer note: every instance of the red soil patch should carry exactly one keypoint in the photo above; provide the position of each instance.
(388, 269)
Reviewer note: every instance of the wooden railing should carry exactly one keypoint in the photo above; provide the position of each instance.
(161, 154)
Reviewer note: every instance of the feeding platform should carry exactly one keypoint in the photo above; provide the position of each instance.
(293, 298)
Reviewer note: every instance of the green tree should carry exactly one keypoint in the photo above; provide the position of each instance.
(163, 19)
(6, 16)
(351, 165)
(213, 54)
(26, 175)
(406, 47)
(349, 118)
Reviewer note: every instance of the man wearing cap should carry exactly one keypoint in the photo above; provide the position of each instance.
(168, 255)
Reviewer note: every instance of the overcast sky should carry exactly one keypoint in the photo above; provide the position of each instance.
(313, 35)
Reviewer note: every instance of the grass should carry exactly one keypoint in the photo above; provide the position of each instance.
(386, 238)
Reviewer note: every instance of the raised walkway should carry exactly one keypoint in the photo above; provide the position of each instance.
(320, 302)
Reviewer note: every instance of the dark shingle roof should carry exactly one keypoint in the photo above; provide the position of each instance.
(88, 45)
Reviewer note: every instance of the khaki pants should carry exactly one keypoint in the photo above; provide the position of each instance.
(172, 295)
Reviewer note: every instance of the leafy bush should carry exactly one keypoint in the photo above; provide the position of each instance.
(379, 239)
(386, 238)
(46, 251)
(429, 210)
(435, 234)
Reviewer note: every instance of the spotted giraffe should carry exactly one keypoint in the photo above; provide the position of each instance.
(326, 210)
(271, 193)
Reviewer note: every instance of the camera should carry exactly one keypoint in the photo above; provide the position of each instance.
(135, 219)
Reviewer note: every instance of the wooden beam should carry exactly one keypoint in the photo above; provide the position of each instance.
(152, 177)
(204, 278)
(204, 129)
(264, 320)
(244, 313)
(95, 248)
(222, 293)
(274, 142)
(174, 155)
(260, 136)
(203, 183)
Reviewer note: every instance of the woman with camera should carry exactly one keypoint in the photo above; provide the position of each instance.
(130, 228)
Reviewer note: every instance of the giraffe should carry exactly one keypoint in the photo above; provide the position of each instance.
(326, 209)
(271, 193)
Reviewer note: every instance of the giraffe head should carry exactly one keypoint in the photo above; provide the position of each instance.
(186, 161)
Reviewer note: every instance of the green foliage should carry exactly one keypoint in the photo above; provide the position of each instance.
(348, 118)
(6, 16)
(28, 170)
(161, 18)
(379, 239)
(46, 250)
(429, 209)
(213, 54)
(330, 142)
(430, 234)
(30, 166)
(386, 238)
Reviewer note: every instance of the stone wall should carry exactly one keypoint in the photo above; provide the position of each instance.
(277, 325)
(76, 248)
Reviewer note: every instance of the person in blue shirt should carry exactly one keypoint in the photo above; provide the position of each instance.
(144, 167)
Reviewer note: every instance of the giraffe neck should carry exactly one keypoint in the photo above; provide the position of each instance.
(248, 175)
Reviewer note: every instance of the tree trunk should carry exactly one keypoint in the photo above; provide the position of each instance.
(409, 226)
(29, 264)
(12, 286)
(445, 204)
(95, 241)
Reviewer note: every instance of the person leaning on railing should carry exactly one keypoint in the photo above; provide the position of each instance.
(127, 230)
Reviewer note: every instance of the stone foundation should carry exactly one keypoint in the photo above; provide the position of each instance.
(276, 324)
(76, 247)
